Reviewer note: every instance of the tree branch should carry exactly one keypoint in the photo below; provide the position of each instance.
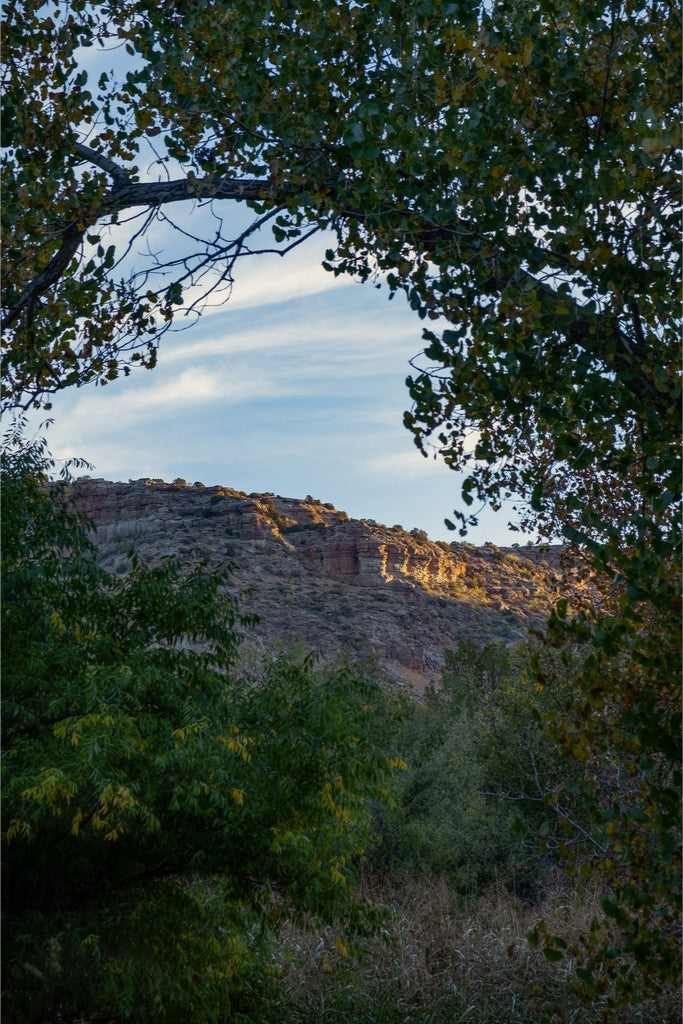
(73, 236)
(124, 195)
(116, 173)
(160, 193)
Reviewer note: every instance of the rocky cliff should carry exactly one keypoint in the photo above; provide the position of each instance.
(317, 578)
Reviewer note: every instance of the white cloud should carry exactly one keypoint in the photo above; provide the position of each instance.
(408, 463)
(120, 407)
(269, 279)
(411, 463)
(295, 329)
(190, 387)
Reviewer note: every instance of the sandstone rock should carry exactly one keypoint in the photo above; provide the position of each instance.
(315, 576)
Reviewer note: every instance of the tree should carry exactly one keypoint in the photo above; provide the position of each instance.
(488, 791)
(158, 812)
(439, 147)
(510, 167)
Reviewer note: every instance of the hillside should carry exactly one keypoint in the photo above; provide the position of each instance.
(317, 578)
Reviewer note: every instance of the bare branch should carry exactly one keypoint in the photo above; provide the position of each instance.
(563, 814)
(125, 195)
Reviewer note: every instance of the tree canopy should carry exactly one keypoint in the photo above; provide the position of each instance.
(510, 167)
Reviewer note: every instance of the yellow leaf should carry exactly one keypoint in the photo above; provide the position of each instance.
(337, 876)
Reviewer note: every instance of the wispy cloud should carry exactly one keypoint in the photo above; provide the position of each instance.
(353, 336)
(119, 408)
(408, 464)
(262, 279)
(270, 279)
(412, 462)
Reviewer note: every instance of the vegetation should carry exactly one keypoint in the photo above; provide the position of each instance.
(156, 809)
(177, 833)
(442, 961)
(486, 783)
(396, 156)
(510, 168)
(471, 862)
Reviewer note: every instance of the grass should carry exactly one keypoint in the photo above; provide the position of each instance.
(443, 963)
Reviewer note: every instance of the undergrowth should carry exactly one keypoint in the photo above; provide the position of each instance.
(444, 961)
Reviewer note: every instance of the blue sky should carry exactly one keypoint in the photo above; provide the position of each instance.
(296, 386)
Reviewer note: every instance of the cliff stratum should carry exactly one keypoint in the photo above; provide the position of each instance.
(316, 578)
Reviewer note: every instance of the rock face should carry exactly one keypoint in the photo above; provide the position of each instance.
(314, 577)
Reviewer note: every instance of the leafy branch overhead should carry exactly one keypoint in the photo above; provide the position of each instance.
(511, 169)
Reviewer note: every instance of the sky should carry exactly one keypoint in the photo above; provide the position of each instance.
(295, 386)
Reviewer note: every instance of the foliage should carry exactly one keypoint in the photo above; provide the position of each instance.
(487, 791)
(624, 724)
(156, 809)
(558, 297)
(446, 961)
(510, 167)
(512, 775)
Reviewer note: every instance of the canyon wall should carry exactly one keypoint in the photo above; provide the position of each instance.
(317, 579)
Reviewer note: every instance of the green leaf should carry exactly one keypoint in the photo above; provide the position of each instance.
(554, 955)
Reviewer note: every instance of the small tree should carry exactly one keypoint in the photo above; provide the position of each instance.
(486, 791)
(154, 806)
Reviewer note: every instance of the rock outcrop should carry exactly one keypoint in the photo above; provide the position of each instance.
(314, 577)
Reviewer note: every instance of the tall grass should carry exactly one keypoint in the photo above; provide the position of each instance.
(444, 962)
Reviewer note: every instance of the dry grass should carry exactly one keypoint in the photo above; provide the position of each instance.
(439, 963)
